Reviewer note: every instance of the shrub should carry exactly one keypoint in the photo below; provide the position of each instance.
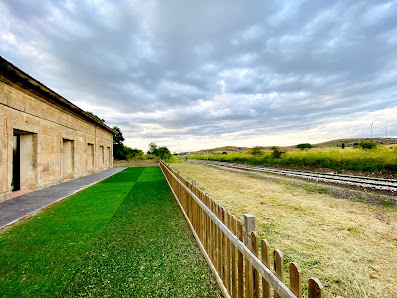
(256, 150)
(367, 145)
(304, 146)
(163, 153)
(277, 153)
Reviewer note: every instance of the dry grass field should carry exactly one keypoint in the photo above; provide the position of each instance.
(351, 246)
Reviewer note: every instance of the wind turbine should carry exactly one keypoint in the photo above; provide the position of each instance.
(372, 126)
(386, 130)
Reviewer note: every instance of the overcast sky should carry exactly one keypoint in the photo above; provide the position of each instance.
(200, 74)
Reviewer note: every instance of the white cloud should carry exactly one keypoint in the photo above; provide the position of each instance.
(191, 74)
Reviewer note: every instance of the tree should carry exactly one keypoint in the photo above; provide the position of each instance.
(304, 146)
(120, 151)
(277, 152)
(163, 153)
(129, 153)
(118, 147)
(256, 150)
(367, 145)
(136, 152)
(96, 117)
(152, 148)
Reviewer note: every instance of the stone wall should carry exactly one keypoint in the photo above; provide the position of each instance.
(136, 163)
(56, 144)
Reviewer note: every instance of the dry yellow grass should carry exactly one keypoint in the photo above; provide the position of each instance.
(350, 246)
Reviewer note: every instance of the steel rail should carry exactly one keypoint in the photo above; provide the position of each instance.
(380, 184)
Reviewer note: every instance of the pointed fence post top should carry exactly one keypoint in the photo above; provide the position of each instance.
(194, 182)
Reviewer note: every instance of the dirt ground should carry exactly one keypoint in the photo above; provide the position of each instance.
(350, 245)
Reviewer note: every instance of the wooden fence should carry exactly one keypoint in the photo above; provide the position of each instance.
(135, 163)
(231, 248)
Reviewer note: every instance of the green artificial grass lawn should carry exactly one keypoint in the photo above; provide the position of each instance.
(124, 236)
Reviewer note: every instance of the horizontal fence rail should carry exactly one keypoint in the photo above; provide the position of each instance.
(232, 248)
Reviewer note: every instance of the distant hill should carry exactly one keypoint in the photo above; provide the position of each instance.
(220, 150)
(351, 142)
(328, 144)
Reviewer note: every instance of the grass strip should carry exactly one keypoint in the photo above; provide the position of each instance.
(146, 250)
(39, 255)
(124, 236)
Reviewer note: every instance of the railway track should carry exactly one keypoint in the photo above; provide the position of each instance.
(361, 182)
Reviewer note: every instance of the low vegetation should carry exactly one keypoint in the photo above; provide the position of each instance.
(379, 160)
(122, 237)
(350, 245)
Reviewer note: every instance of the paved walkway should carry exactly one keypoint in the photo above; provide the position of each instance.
(17, 208)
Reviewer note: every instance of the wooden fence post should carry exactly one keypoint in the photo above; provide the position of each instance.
(265, 252)
(215, 211)
(208, 225)
(278, 266)
(240, 260)
(295, 279)
(219, 234)
(315, 288)
(215, 236)
(249, 227)
(212, 246)
(255, 273)
(224, 249)
(229, 254)
(186, 203)
(190, 186)
(233, 225)
(204, 220)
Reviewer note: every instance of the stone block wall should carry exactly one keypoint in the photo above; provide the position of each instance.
(45, 127)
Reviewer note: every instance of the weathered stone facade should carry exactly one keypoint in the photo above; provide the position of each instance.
(45, 139)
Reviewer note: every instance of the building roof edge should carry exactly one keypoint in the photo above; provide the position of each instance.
(18, 77)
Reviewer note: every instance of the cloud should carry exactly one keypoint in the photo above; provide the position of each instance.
(195, 73)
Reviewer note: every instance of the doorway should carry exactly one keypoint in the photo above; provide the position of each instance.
(109, 158)
(90, 158)
(101, 158)
(68, 159)
(16, 163)
(24, 161)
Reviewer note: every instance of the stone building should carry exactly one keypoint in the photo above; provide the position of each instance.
(45, 139)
